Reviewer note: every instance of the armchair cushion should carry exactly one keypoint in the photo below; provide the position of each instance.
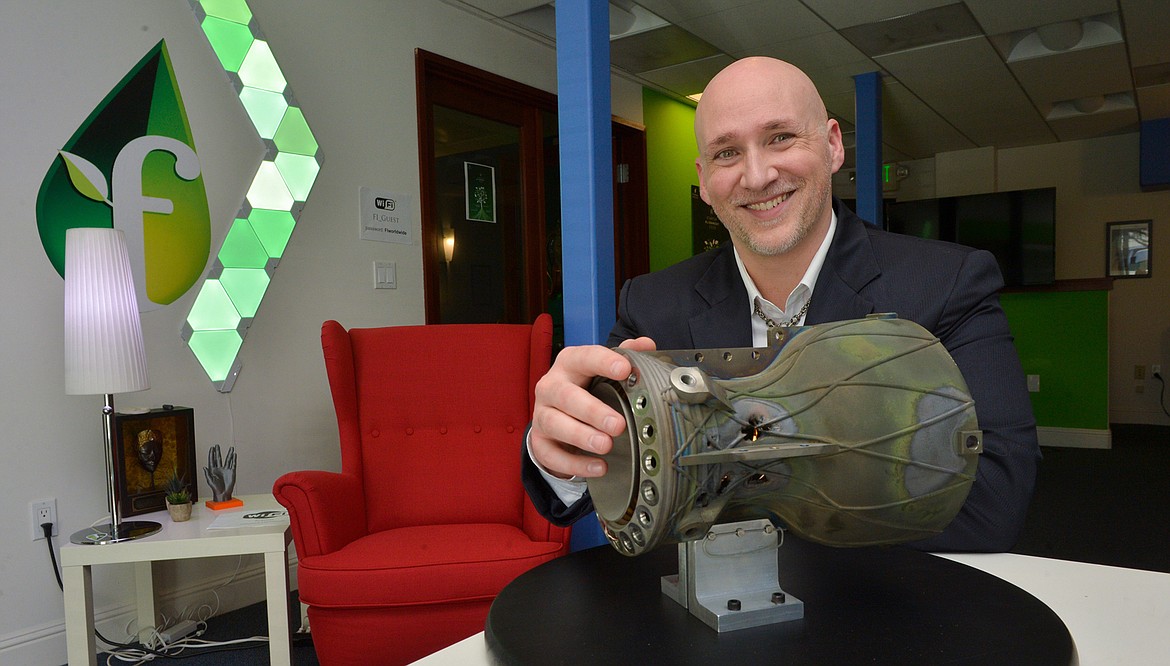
(436, 563)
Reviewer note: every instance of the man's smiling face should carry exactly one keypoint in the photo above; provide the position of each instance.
(767, 152)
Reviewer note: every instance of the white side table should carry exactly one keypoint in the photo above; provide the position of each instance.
(178, 541)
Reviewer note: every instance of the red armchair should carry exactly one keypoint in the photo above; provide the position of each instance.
(402, 553)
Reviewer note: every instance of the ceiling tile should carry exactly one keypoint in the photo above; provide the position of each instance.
(1097, 124)
(677, 11)
(821, 52)
(1146, 24)
(840, 79)
(503, 8)
(912, 127)
(933, 26)
(658, 48)
(1002, 16)
(1074, 74)
(848, 13)
(751, 26)
(690, 77)
(967, 83)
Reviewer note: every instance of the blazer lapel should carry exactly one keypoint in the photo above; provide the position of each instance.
(849, 267)
(727, 322)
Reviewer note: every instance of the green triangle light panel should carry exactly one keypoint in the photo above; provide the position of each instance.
(213, 309)
(242, 248)
(236, 11)
(245, 287)
(230, 41)
(273, 228)
(243, 268)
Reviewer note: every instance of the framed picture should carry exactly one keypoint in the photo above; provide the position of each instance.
(148, 449)
(479, 188)
(707, 232)
(1128, 249)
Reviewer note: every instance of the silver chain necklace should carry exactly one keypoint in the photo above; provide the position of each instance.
(791, 322)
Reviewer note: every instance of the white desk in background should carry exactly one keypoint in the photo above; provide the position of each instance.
(1116, 616)
(178, 541)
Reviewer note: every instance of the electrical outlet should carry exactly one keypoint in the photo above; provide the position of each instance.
(40, 512)
(1155, 369)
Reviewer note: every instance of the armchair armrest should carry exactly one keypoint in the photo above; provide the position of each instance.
(327, 510)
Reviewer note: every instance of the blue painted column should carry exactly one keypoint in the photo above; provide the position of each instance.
(868, 91)
(587, 262)
(583, 109)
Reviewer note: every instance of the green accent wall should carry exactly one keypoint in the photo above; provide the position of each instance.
(670, 167)
(1063, 336)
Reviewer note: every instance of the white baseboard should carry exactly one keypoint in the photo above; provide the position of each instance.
(45, 644)
(1075, 438)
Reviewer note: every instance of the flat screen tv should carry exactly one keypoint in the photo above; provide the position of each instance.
(1018, 227)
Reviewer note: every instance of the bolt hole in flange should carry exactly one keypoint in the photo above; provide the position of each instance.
(650, 493)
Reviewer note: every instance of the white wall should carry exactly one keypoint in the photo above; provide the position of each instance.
(351, 65)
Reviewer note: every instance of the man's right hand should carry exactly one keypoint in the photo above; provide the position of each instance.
(568, 420)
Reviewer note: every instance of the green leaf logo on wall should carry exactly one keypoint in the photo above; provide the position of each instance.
(132, 166)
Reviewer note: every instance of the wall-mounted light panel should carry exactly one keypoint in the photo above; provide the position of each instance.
(231, 294)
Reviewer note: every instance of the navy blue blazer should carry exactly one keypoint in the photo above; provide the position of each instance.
(948, 289)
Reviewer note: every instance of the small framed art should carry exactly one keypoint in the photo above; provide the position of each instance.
(479, 190)
(1128, 249)
(148, 449)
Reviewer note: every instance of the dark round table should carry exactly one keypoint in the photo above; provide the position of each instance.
(880, 605)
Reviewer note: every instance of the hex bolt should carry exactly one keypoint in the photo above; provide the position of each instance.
(733, 604)
(778, 597)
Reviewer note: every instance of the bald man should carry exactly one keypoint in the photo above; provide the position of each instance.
(767, 153)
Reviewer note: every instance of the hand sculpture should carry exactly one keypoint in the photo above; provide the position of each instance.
(221, 473)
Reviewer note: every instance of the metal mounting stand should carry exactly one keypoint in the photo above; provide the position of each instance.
(729, 578)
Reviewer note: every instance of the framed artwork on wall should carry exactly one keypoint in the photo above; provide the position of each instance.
(479, 189)
(148, 449)
(1128, 249)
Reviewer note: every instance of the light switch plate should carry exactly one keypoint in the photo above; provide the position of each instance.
(385, 275)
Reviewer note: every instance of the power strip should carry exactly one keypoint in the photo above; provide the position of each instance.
(182, 629)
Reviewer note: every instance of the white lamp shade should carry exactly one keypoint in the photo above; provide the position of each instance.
(104, 352)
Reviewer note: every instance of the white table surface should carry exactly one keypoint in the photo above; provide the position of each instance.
(1115, 615)
(176, 541)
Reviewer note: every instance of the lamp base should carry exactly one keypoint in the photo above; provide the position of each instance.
(102, 534)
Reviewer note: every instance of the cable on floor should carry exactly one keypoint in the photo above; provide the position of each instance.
(140, 654)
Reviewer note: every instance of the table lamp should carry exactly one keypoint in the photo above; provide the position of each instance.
(104, 352)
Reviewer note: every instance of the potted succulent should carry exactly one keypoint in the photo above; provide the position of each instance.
(178, 499)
